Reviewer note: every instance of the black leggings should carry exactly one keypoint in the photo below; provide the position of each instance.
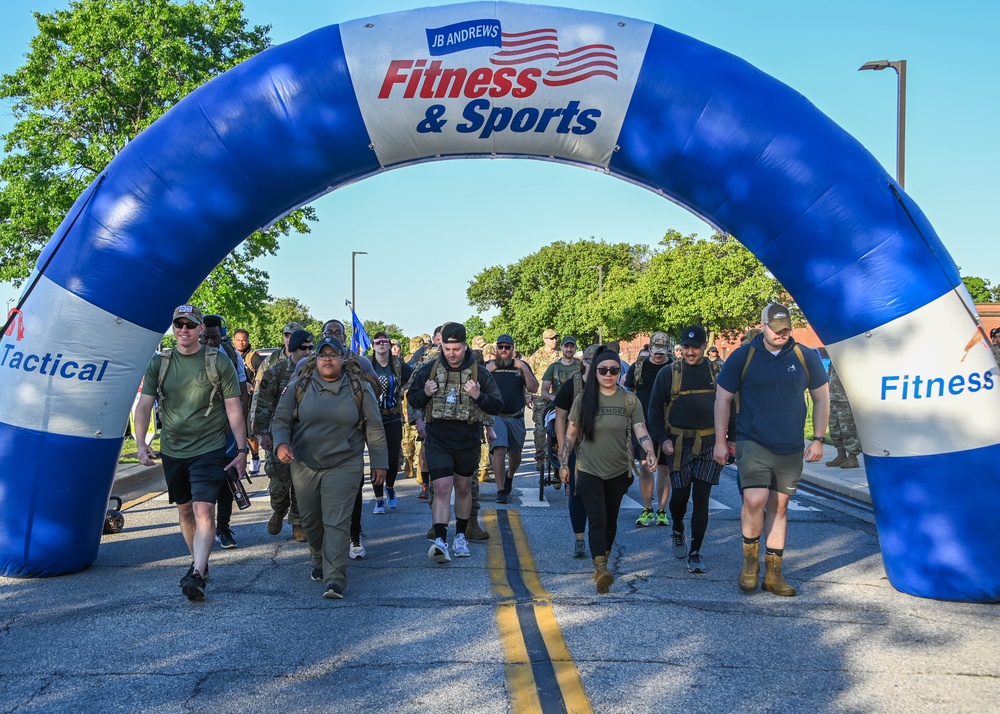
(577, 511)
(602, 500)
(394, 442)
(699, 512)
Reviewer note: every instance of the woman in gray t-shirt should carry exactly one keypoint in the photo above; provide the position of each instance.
(601, 422)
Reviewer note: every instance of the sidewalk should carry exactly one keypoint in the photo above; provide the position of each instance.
(851, 483)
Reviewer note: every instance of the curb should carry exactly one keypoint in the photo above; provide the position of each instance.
(850, 483)
(127, 474)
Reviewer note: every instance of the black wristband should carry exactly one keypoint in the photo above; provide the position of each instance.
(819, 438)
(244, 450)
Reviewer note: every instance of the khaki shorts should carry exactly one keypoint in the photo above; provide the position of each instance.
(759, 467)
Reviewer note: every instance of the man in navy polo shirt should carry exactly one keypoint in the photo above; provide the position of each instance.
(771, 373)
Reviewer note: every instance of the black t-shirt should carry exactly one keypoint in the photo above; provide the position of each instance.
(564, 397)
(510, 381)
(645, 388)
(391, 393)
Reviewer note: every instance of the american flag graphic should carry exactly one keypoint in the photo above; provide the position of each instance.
(572, 66)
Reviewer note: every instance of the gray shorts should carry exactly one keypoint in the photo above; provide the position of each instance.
(759, 467)
(510, 433)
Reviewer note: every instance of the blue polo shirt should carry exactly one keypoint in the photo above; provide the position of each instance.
(772, 393)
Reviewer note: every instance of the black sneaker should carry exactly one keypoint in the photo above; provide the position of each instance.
(225, 537)
(317, 575)
(334, 592)
(501, 497)
(193, 586)
(190, 572)
(695, 565)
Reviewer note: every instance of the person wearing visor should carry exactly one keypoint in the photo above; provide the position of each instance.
(600, 422)
(323, 422)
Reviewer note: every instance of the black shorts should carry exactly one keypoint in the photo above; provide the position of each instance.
(196, 478)
(444, 463)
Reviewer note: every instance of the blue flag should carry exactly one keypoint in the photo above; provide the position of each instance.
(360, 341)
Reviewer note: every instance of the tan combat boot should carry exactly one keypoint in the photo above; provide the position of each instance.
(840, 458)
(750, 573)
(773, 580)
(298, 535)
(602, 576)
(473, 531)
(851, 462)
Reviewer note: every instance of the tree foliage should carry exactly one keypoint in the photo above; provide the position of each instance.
(96, 75)
(716, 283)
(556, 287)
(266, 328)
(981, 290)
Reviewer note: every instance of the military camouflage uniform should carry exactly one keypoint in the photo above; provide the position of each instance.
(843, 431)
(539, 361)
(265, 398)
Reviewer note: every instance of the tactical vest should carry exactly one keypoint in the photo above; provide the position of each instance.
(451, 401)
(677, 371)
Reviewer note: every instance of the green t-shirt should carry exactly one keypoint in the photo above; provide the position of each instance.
(609, 454)
(557, 373)
(186, 391)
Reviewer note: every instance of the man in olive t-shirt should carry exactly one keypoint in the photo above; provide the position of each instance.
(200, 405)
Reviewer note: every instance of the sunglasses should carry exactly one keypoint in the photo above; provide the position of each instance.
(184, 325)
(307, 348)
(609, 370)
(505, 347)
(380, 342)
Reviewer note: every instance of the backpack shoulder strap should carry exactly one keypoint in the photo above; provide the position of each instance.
(637, 371)
(161, 375)
(212, 372)
(802, 359)
(746, 365)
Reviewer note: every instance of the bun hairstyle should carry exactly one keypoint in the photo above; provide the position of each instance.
(590, 397)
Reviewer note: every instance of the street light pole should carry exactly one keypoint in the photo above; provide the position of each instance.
(900, 67)
(354, 254)
(600, 293)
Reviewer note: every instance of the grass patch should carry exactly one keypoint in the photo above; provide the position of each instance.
(130, 454)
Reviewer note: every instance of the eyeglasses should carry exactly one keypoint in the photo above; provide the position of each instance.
(609, 370)
(335, 332)
(505, 347)
(329, 356)
(183, 325)
(380, 342)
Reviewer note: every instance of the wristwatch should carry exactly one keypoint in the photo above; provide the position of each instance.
(244, 450)
(819, 438)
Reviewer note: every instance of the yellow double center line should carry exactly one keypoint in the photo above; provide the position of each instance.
(540, 671)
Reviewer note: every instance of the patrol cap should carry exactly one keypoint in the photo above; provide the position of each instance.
(505, 339)
(659, 343)
(298, 338)
(291, 327)
(693, 336)
(777, 317)
(188, 312)
(337, 345)
(452, 332)
(569, 340)
(713, 350)
(549, 333)
(478, 342)
(588, 354)
(416, 342)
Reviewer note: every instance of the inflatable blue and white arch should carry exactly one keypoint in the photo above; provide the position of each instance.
(635, 100)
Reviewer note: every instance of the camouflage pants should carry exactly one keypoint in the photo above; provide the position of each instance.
(538, 407)
(843, 432)
(282, 492)
(408, 448)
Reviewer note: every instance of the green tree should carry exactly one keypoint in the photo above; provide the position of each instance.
(475, 325)
(265, 331)
(980, 289)
(716, 283)
(96, 75)
(556, 287)
(394, 331)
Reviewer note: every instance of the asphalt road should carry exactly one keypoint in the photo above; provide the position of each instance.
(516, 627)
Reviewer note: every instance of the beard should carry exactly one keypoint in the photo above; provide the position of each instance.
(504, 362)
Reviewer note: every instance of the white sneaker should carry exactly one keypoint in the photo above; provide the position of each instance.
(357, 551)
(439, 552)
(460, 546)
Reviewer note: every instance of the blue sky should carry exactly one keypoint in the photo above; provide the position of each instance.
(429, 229)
